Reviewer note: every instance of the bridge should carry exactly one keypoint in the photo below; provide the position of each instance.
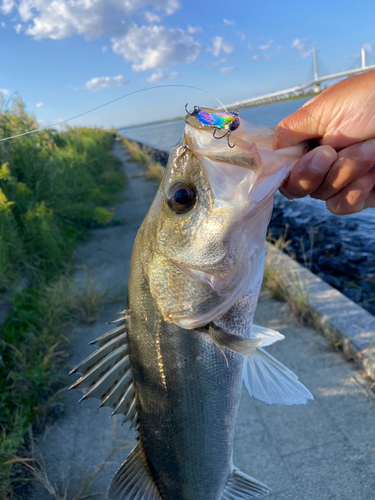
(307, 88)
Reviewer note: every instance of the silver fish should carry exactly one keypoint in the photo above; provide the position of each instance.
(175, 364)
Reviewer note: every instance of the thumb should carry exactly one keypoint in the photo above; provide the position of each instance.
(302, 125)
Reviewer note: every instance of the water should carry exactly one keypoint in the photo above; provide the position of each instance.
(167, 134)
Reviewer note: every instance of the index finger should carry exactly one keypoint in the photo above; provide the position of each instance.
(300, 126)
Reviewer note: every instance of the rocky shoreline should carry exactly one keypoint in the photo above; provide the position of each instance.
(331, 248)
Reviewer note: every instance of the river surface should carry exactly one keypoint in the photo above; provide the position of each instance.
(167, 134)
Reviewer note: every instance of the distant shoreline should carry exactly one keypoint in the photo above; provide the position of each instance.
(177, 118)
(284, 99)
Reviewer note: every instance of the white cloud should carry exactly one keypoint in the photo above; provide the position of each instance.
(17, 28)
(104, 49)
(160, 75)
(60, 19)
(229, 22)
(7, 6)
(215, 64)
(241, 36)
(254, 58)
(228, 69)
(219, 44)
(151, 17)
(300, 45)
(3, 25)
(249, 47)
(39, 105)
(266, 46)
(147, 46)
(194, 29)
(151, 47)
(368, 46)
(105, 82)
(4, 91)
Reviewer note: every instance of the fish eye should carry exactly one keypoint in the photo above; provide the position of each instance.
(181, 198)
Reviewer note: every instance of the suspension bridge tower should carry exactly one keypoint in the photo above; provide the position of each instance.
(363, 57)
(316, 86)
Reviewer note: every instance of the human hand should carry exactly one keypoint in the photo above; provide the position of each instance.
(341, 171)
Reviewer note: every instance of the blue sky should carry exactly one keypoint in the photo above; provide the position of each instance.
(66, 56)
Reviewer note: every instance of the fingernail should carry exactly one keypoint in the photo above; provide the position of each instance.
(323, 159)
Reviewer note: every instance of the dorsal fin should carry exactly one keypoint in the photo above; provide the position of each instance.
(106, 374)
(242, 487)
(133, 480)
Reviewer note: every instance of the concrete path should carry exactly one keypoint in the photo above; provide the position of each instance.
(322, 451)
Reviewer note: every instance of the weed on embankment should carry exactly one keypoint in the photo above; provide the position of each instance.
(144, 155)
(54, 187)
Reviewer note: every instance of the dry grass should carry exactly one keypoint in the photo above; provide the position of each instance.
(286, 285)
(289, 286)
(143, 154)
(89, 302)
(36, 470)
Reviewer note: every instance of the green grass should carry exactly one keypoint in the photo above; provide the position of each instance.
(54, 187)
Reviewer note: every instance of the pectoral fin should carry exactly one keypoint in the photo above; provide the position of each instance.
(270, 381)
(268, 336)
(234, 343)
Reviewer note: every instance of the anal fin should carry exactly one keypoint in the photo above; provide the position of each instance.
(133, 480)
(242, 487)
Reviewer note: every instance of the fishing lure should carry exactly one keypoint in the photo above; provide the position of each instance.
(228, 121)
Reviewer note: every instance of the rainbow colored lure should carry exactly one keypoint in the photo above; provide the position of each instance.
(217, 120)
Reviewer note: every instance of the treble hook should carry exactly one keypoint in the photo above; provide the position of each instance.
(227, 134)
(194, 112)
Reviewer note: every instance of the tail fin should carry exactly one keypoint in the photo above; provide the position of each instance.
(270, 381)
(133, 480)
(243, 487)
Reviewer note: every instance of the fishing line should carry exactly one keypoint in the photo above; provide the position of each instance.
(110, 102)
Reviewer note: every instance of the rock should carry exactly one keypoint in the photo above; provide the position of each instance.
(336, 256)
(368, 287)
(370, 307)
(354, 294)
(313, 254)
(333, 248)
(356, 257)
(331, 280)
(337, 267)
